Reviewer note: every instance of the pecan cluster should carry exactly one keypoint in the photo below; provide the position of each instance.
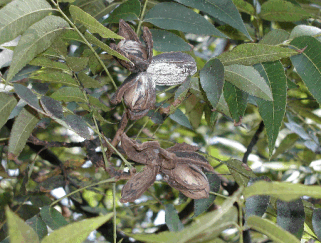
(138, 90)
(180, 166)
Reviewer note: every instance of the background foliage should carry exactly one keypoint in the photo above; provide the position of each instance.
(252, 108)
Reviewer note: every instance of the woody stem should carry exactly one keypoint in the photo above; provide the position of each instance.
(141, 18)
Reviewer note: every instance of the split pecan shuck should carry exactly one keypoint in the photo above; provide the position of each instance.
(139, 90)
(180, 166)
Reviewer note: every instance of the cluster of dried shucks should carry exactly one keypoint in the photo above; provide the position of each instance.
(181, 166)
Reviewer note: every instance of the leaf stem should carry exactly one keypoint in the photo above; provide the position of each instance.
(114, 214)
(80, 189)
(141, 18)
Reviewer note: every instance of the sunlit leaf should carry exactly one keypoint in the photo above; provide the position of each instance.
(19, 231)
(241, 172)
(93, 40)
(164, 15)
(21, 130)
(247, 79)
(48, 63)
(69, 94)
(250, 54)
(53, 76)
(280, 10)
(7, 103)
(305, 30)
(77, 64)
(87, 81)
(91, 23)
(275, 37)
(274, 232)
(77, 232)
(18, 15)
(244, 7)
(281, 190)
(35, 40)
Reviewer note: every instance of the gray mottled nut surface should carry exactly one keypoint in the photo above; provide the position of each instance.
(171, 68)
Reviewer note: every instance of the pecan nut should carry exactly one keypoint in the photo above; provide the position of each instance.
(132, 48)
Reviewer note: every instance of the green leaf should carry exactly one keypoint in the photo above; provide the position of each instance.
(165, 41)
(19, 231)
(271, 230)
(247, 79)
(291, 216)
(53, 218)
(68, 94)
(282, 11)
(35, 40)
(179, 117)
(256, 205)
(308, 64)
(97, 103)
(78, 125)
(171, 218)
(316, 222)
(182, 90)
(240, 171)
(164, 15)
(53, 76)
(201, 205)
(7, 103)
(48, 63)
(129, 10)
(28, 96)
(38, 225)
(225, 11)
(77, 232)
(77, 64)
(275, 37)
(212, 80)
(204, 226)
(250, 54)
(305, 30)
(287, 143)
(88, 82)
(244, 7)
(93, 40)
(236, 100)
(18, 15)
(91, 23)
(52, 107)
(21, 130)
(281, 190)
(272, 112)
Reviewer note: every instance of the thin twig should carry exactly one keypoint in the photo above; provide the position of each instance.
(253, 142)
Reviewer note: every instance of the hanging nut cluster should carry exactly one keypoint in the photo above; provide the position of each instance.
(180, 165)
(138, 90)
